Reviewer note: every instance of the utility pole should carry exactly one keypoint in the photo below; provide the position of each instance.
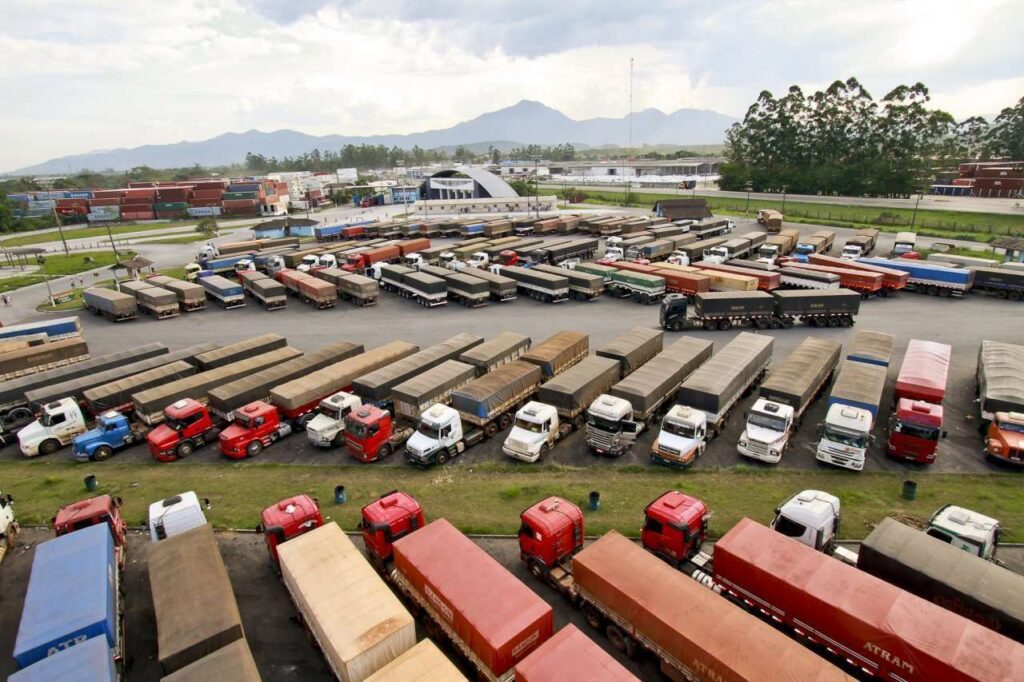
(629, 138)
(913, 218)
(746, 211)
(117, 257)
(60, 228)
(783, 200)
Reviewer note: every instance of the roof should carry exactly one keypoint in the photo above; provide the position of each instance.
(136, 263)
(676, 209)
(285, 222)
(491, 184)
(1009, 243)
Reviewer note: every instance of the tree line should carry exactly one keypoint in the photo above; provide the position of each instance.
(841, 141)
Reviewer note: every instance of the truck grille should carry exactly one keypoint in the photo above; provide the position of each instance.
(600, 438)
(759, 448)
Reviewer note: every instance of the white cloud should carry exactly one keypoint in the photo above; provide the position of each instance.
(103, 73)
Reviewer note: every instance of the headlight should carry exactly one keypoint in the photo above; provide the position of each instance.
(995, 446)
(743, 443)
(773, 452)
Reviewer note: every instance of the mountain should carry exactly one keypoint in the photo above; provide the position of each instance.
(527, 122)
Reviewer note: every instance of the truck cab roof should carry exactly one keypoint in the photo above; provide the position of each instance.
(678, 510)
(182, 408)
(685, 415)
(438, 415)
(289, 512)
(772, 407)
(551, 515)
(849, 418)
(257, 409)
(919, 412)
(965, 523)
(367, 414)
(390, 509)
(536, 412)
(610, 407)
(72, 516)
(811, 508)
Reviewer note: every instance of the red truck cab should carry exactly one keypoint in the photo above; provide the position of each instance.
(393, 516)
(550, 532)
(914, 431)
(287, 519)
(90, 512)
(256, 426)
(1005, 438)
(508, 257)
(368, 431)
(187, 426)
(675, 526)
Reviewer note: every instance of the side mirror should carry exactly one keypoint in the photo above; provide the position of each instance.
(871, 440)
(777, 510)
(118, 501)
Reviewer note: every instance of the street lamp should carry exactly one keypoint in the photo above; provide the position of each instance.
(783, 200)
(746, 211)
(913, 218)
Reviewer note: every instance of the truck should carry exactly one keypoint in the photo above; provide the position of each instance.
(176, 515)
(737, 247)
(778, 245)
(765, 281)
(538, 285)
(871, 347)
(112, 432)
(74, 595)
(915, 426)
(771, 219)
(929, 278)
(102, 510)
(883, 630)
(92, 659)
(425, 289)
(61, 328)
(439, 571)
(360, 262)
(633, 349)
(48, 356)
(633, 597)
(679, 281)
(358, 289)
(186, 426)
(503, 348)
(250, 347)
(326, 575)
(866, 282)
(376, 386)
(792, 277)
(784, 398)
(861, 244)
(487, 404)
(649, 251)
(852, 413)
(191, 296)
(112, 305)
(691, 252)
(502, 288)
(760, 309)
(558, 352)
(58, 424)
(224, 292)
(929, 567)
(192, 623)
(309, 289)
(616, 418)
(271, 294)
(642, 287)
(463, 288)
(904, 245)
(153, 300)
(583, 286)
(999, 282)
(568, 654)
(712, 227)
(288, 519)
(560, 408)
(9, 527)
(1000, 389)
(818, 242)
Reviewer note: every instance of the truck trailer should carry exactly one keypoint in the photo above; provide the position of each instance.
(112, 305)
(224, 292)
(852, 413)
(358, 289)
(376, 387)
(48, 356)
(539, 285)
(792, 277)
(999, 282)
(915, 426)
(633, 349)
(270, 293)
(583, 286)
(1000, 388)
(153, 300)
(762, 310)
(502, 288)
(928, 278)
(191, 296)
(558, 352)
(892, 280)
(240, 350)
(503, 348)
(463, 288)
(871, 347)
(55, 330)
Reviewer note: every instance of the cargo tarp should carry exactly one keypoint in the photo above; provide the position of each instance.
(257, 386)
(268, 288)
(193, 602)
(724, 303)
(231, 663)
(795, 381)
(110, 301)
(505, 347)
(424, 662)
(646, 387)
(558, 352)
(573, 390)
(809, 301)
(156, 296)
(484, 397)
(377, 385)
(571, 655)
(357, 621)
(91, 660)
(414, 396)
(536, 277)
(714, 386)
(497, 617)
(187, 292)
(860, 385)
(338, 376)
(246, 348)
(634, 348)
(924, 372)
(577, 278)
(872, 347)
(358, 286)
(116, 393)
(1001, 376)
(25, 360)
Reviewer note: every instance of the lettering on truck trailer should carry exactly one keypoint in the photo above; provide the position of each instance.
(705, 672)
(519, 649)
(895, 661)
(439, 604)
(66, 644)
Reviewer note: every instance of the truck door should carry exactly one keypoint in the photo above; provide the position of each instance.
(630, 429)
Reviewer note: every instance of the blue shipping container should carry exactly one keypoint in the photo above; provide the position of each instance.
(80, 195)
(72, 595)
(61, 328)
(90, 661)
(924, 272)
(327, 231)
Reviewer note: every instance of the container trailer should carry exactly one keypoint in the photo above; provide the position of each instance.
(48, 356)
(502, 288)
(766, 281)
(928, 278)
(153, 300)
(271, 294)
(91, 660)
(583, 286)
(112, 305)
(999, 282)
(359, 289)
(762, 310)
(223, 291)
(892, 280)
(915, 426)
(542, 286)
(558, 352)
(191, 296)
(503, 348)
(633, 349)
(1000, 390)
(792, 277)
(852, 413)
(871, 347)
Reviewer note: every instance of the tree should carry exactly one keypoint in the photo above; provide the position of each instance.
(207, 227)
(494, 154)
(462, 154)
(1006, 137)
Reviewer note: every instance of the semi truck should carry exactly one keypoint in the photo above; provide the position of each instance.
(892, 280)
(570, 654)
(487, 404)
(463, 288)
(55, 330)
(852, 414)
(792, 277)
(309, 289)
(360, 262)
(777, 246)
(560, 408)
(250, 347)
(928, 278)
(915, 425)
(818, 242)
(633, 349)
(615, 419)
(1000, 390)
(34, 359)
(191, 296)
(112, 305)
(580, 249)
(882, 630)
(712, 227)
(358, 289)
(705, 399)
(186, 426)
(771, 219)
(153, 300)
(558, 352)
(583, 286)
(271, 294)
(784, 397)
(224, 292)
(999, 282)
(502, 288)
(766, 281)
(503, 348)
(857, 279)
(871, 347)
(58, 424)
(9, 527)
(762, 310)
(539, 285)
(425, 289)
(861, 244)
(738, 247)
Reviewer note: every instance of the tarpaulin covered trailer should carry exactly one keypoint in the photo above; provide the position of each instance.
(377, 385)
(191, 296)
(61, 328)
(17, 363)
(572, 391)
(414, 396)
(571, 655)
(811, 302)
(502, 288)
(873, 348)
(423, 662)
(503, 348)
(1000, 377)
(118, 394)
(632, 349)
(113, 305)
(90, 661)
(649, 386)
(240, 350)
(230, 663)
(558, 352)
(924, 372)
(797, 380)
(859, 385)
(716, 385)
(482, 399)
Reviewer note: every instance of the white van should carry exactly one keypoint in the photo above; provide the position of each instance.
(175, 515)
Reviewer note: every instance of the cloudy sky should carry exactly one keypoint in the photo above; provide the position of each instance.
(80, 75)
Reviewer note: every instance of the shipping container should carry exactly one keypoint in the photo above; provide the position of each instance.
(633, 349)
(503, 348)
(376, 387)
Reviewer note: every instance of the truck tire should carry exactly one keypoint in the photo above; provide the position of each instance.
(442, 458)
(490, 430)
(253, 448)
(620, 640)
(544, 450)
(49, 446)
(185, 449)
(102, 453)
(677, 326)
(504, 421)
(593, 616)
(725, 324)
(384, 452)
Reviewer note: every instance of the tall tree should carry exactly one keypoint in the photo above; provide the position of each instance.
(1006, 138)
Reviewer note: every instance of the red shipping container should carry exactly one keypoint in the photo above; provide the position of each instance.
(571, 655)
(413, 245)
(851, 278)
(74, 203)
(766, 281)
(887, 631)
(684, 282)
(108, 194)
(499, 619)
(207, 185)
(891, 278)
(138, 215)
(105, 202)
(147, 194)
(140, 203)
(924, 372)
(239, 203)
(208, 194)
(135, 185)
(172, 214)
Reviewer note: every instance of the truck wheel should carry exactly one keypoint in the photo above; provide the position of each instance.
(677, 326)
(490, 430)
(102, 452)
(48, 447)
(184, 450)
(305, 419)
(384, 452)
(253, 448)
(442, 458)
(593, 616)
(544, 450)
(1014, 295)
(504, 421)
(725, 324)
(620, 640)
(536, 568)
(933, 291)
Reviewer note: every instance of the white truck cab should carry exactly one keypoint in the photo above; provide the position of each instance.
(327, 428)
(716, 254)
(767, 432)
(207, 250)
(682, 437)
(414, 260)
(274, 264)
(610, 426)
(175, 515)
(8, 524)
(535, 430)
(438, 434)
(448, 260)
(245, 265)
(56, 427)
(768, 253)
(812, 517)
(679, 258)
(845, 437)
(851, 252)
(478, 260)
(966, 530)
(613, 254)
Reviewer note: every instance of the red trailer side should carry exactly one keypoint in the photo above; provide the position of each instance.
(496, 616)
(413, 245)
(891, 279)
(886, 631)
(924, 372)
(571, 655)
(766, 281)
(319, 291)
(684, 283)
(850, 278)
(634, 267)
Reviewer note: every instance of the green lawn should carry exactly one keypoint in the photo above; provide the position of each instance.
(87, 232)
(183, 239)
(952, 224)
(488, 498)
(61, 265)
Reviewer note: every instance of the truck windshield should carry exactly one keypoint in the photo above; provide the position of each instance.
(429, 431)
(1010, 426)
(916, 430)
(529, 426)
(356, 428)
(767, 252)
(330, 411)
(858, 440)
(244, 421)
(767, 421)
(354, 260)
(603, 424)
(789, 527)
(683, 430)
(53, 418)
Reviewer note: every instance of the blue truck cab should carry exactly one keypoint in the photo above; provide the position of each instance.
(112, 432)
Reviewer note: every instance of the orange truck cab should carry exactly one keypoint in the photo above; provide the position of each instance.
(508, 257)
(550, 533)
(187, 426)
(386, 520)
(1005, 438)
(91, 512)
(256, 426)
(370, 433)
(914, 430)
(287, 519)
(675, 526)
